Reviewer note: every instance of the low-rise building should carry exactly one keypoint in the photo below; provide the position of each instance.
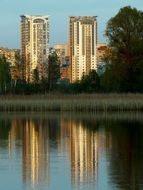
(62, 51)
(11, 55)
(65, 72)
(102, 50)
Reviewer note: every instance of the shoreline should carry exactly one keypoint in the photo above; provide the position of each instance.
(79, 102)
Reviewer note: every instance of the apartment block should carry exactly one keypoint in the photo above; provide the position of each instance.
(83, 42)
(34, 45)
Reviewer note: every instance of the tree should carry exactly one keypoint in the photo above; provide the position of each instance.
(90, 82)
(53, 70)
(5, 76)
(124, 65)
(35, 76)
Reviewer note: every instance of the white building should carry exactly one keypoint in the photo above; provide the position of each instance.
(34, 45)
(83, 42)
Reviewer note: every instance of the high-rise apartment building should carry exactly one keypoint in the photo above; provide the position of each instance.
(83, 41)
(34, 45)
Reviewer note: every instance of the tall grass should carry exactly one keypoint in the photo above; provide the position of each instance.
(81, 102)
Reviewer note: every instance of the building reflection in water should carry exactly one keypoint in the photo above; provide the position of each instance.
(83, 146)
(64, 143)
(83, 153)
(70, 137)
(35, 149)
(35, 152)
(14, 136)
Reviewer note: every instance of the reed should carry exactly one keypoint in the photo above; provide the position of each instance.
(80, 102)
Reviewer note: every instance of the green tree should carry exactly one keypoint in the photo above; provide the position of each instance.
(124, 65)
(90, 83)
(35, 76)
(53, 71)
(5, 75)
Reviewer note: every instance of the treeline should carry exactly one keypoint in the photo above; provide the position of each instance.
(123, 63)
(52, 83)
(11, 81)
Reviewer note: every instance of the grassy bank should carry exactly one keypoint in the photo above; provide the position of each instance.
(82, 102)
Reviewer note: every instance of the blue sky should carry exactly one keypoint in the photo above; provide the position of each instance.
(59, 11)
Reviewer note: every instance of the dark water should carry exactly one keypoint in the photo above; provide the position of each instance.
(64, 152)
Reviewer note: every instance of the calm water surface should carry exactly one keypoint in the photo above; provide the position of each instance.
(71, 152)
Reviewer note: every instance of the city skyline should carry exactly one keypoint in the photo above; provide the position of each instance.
(59, 17)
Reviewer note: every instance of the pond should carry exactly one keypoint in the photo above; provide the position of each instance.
(71, 151)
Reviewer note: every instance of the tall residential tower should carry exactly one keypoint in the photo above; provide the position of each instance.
(83, 41)
(34, 45)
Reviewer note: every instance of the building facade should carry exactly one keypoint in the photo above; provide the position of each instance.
(65, 72)
(11, 55)
(83, 41)
(62, 51)
(101, 52)
(34, 45)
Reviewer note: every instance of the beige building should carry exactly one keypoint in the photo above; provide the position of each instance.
(34, 45)
(62, 51)
(11, 55)
(83, 41)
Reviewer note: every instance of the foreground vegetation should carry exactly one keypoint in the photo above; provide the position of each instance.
(81, 102)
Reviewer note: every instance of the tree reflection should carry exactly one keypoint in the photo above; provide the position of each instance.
(125, 154)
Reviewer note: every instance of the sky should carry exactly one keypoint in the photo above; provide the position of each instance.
(59, 12)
